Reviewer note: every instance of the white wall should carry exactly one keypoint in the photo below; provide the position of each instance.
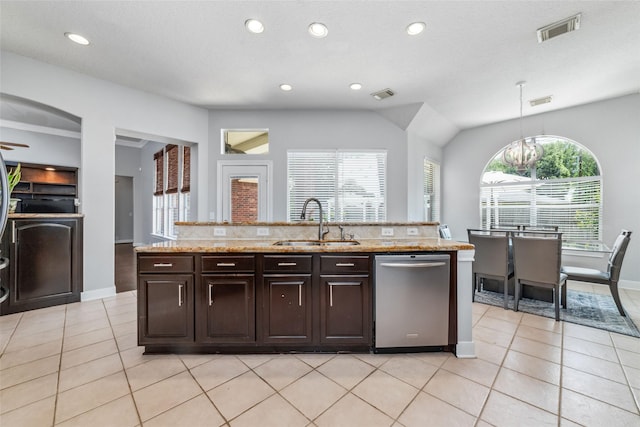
(43, 148)
(610, 129)
(103, 108)
(315, 129)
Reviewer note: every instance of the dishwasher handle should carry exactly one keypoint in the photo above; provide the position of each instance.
(412, 264)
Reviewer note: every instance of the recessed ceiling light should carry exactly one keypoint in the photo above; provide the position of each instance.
(254, 26)
(285, 87)
(77, 38)
(318, 30)
(355, 86)
(416, 28)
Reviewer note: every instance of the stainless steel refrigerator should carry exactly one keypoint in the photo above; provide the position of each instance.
(4, 211)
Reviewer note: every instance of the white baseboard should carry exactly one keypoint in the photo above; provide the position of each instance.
(629, 284)
(98, 294)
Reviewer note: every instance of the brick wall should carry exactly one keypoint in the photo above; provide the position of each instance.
(244, 201)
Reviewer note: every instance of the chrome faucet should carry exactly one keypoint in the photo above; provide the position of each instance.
(321, 230)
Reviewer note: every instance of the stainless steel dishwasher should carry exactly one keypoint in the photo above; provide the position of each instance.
(411, 302)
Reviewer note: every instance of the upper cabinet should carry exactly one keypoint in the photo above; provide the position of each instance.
(46, 189)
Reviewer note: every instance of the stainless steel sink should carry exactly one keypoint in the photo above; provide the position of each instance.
(316, 243)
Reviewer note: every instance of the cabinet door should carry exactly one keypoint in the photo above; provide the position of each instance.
(226, 308)
(344, 309)
(44, 263)
(287, 309)
(165, 309)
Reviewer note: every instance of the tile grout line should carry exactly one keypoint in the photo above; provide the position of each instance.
(124, 371)
(226, 421)
(55, 404)
(500, 367)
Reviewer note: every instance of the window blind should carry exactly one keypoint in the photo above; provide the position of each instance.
(573, 204)
(172, 168)
(158, 158)
(351, 185)
(186, 170)
(431, 191)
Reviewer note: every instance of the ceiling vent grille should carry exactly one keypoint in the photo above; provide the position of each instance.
(382, 94)
(558, 28)
(540, 101)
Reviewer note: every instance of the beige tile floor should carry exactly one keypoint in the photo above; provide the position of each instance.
(79, 365)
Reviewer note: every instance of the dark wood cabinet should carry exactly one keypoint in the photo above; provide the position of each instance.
(287, 308)
(345, 300)
(166, 299)
(45, 266)
(287, 299)
(226, 301)
(254, 302)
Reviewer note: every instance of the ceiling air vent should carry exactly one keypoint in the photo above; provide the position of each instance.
(558, 28)
(540, 101)
(382, 94)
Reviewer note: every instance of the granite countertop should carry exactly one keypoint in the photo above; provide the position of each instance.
(45, 215)
(267, 246)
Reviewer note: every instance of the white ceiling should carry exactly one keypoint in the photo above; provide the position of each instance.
(463, 67)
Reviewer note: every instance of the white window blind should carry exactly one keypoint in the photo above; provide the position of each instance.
(351, 185)
(431, 191)
(573, 204)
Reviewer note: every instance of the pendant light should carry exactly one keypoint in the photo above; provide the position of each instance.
(525, 152)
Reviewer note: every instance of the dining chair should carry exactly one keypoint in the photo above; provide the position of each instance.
(491, 259)
(540, 228)
(609, 277)
(537, 262)
(511, 227)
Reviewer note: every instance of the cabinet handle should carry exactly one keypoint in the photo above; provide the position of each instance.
(13, 232)
(180, 287)
(330, 295)
(300, 295)
(226, 264)
(210, 299)
(163, 264)
(345, 264)
(287, 264)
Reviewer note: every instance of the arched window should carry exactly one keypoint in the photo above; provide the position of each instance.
(563, 188)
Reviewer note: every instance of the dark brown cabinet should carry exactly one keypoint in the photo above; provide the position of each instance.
(254, 302)
(287, 299)
(345, 300)
(226, 300)
(45, 266)
(165, 299)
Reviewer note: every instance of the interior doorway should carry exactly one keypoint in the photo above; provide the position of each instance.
(125, 271)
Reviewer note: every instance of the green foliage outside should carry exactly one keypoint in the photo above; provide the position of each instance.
(561, 159)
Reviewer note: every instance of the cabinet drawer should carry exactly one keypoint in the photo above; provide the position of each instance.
(337, 264)
(165, 264)
(233, 263)
(288, 263)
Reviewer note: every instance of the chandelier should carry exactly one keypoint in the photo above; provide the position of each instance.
(525, 152)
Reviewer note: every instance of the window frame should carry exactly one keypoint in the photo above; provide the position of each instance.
(431, 196)
(323, 174)
(171, 204)
(571, 203)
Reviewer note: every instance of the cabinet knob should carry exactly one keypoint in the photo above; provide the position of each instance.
(163, 264)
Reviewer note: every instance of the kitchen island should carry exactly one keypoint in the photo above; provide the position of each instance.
(272, 288)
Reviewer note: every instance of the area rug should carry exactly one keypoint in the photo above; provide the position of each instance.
(583, 308)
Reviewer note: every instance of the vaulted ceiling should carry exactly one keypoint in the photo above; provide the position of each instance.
(459, 73)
